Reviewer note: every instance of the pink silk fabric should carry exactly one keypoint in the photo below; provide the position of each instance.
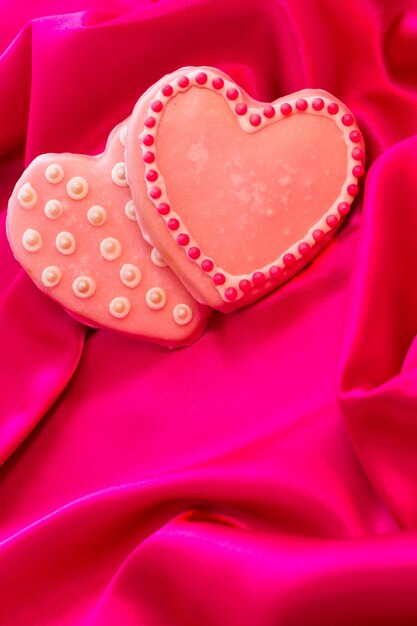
(266, 475)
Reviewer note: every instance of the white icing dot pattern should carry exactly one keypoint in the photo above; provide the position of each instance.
(119, 307)
(54, 173)
(130, 210)
(53, 209)
(32, 240)
(51, 276)
(130, 275)
(157, 258)
(84, 286)
(65, 242)
(110, 249)
(182, 314)
(156, 298)
(118, 174)
(97, 215)
(77, 188)
(27, 196)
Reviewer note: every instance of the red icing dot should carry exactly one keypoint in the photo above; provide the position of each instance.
(358, 171)
(355, 136)
(333, 108)
(183, 82)
(304, 248)
(301, 104)
(231, 293)
(201, 78)
(173, 224)
(347, 119)
(148, 140)
(357, 153)
(258, 278)
(318, 104)
(194, 253)
(150, 122)
(289, 259)
(155, 193)
(269, 111)
(245, 285)
(148, 157)
(275, 271)
(163, 208)
(332, 220)
(241, 108)
(218, 82)
(232, 93)
(157, 106)
(167, 90)
(353, 190)
(343, 208)
(255, 119)
(286, 108)
(219, 279)
(183, 239)
(151, 175)
(318, 234)
(207, 265)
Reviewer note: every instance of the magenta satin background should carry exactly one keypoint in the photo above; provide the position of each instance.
(266, 475)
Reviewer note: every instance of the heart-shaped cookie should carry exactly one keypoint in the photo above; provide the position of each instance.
(72, 225)
(239, 195)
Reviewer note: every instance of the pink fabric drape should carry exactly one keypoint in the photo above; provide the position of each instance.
(266, 475)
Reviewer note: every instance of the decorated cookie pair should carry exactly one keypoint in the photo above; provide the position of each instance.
(233, 197)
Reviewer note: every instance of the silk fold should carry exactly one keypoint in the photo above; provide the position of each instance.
(266, 474)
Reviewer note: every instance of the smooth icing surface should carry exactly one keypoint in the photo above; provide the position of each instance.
(239, 195)
(261, 191)
(72, 225)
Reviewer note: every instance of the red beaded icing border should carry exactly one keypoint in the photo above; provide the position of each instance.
(251, 119)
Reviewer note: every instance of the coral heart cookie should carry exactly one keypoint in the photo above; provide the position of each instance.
(72, 225)
(236, 194)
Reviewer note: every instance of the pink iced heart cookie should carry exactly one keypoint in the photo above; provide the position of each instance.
(239, 195)
(72, 225)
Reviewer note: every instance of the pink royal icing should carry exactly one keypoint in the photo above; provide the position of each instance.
(72, 225)
(230, 189)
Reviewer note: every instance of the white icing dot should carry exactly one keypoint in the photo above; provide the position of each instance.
(53, 209)
(157, 259)
(65, 243)
(130, 210)
(51, 276)
(97, 215)
(123, 135)
(118, 174)
(110, 249)
(27, 196)
(54, 173)
(119, 307)
(156, 298)
(182, 314)
(84, 286)
(77, 188)
(32, 240)
(130, 275)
